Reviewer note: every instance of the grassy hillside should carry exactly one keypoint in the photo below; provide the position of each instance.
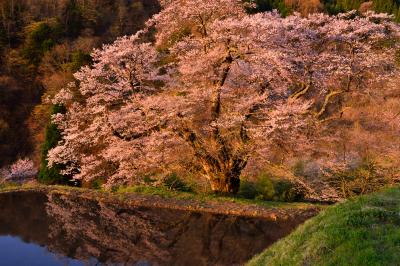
(363, 231)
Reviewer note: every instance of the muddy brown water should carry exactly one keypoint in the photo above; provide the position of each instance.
(38, 228)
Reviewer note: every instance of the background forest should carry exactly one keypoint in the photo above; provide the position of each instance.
(330, 6)
(43, 42)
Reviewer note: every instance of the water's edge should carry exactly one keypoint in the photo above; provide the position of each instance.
(84, 226)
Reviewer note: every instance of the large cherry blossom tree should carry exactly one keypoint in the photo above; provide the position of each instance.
(219, 96)
(180, 18)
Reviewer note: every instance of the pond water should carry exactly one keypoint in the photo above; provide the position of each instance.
(55, 229)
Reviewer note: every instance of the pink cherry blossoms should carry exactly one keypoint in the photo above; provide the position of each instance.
(216, 98)
(19, 171)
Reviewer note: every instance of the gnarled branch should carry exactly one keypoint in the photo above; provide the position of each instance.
(304, 89)
(326, 102)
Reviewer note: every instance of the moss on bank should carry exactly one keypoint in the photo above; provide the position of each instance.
(361, 231)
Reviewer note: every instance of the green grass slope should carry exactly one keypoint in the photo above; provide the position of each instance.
(361, 231)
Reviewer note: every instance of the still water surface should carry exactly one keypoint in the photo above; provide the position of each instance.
(14, 251)
(54, 229)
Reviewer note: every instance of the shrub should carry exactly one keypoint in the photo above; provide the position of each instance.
(363, 178)
(268, 188)
(174, 182)
(287, 191)
(265, 188)
(148, 180)
(248, 189)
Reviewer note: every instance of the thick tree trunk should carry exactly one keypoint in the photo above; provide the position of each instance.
(225, 183)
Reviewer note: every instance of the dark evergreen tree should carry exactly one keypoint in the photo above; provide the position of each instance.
(51, 175)
(72, 19)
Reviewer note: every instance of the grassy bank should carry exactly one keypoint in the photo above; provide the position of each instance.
(362, 231)
(164, 193)
(204, 197)
(189, 201)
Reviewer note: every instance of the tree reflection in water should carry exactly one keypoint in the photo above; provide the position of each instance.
(114, 233)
